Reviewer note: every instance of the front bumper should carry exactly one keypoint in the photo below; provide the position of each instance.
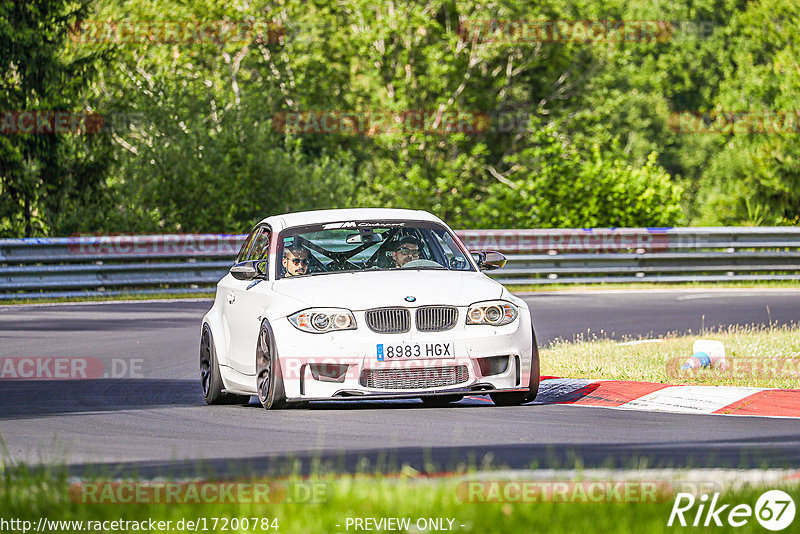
(334, 365)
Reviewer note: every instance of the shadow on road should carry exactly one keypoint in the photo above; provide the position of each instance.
(776, 452)
(21, 399)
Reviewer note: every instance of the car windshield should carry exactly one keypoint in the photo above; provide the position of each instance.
(368, 246)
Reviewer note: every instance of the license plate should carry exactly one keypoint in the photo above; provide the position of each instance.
(410, 351)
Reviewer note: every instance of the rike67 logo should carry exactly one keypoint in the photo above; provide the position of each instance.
(774, 510)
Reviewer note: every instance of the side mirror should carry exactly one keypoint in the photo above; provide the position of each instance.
(245, 270)
(488, 260)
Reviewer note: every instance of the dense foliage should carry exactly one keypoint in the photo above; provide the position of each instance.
(45, 179)
(201, 133)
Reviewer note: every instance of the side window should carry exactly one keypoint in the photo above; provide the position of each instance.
(260, 246)
(246, 246)
(446, 245)
(453, 255)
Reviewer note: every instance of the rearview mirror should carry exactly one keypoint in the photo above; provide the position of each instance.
(489, 260)
(357, 239)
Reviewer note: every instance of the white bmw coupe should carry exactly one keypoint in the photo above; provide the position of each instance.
(364, 304)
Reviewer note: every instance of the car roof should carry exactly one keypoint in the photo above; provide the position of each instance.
(287, 220)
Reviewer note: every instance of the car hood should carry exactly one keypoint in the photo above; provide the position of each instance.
(375, 289)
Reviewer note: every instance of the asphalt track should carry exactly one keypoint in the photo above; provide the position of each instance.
(157, 423)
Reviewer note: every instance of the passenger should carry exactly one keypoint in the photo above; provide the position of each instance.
(406, 249)
(295, 261)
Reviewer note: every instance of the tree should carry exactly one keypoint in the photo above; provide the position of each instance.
(753, 177)
(46, 178)
(596, 144)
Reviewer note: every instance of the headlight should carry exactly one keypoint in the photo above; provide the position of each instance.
(321, 320)
(493, 312)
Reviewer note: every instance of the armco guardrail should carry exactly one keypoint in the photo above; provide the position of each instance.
(96, 265)
(620, 255)
(75, 266)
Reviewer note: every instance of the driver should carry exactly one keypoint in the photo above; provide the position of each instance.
(405, 250)
(295, 261)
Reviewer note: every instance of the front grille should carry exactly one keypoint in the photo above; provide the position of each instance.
(436, 318)
(389, 320)
(430, 377)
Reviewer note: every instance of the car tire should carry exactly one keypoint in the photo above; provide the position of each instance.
(210, 377)
(440, 401)
(268, 372)
(515, 399)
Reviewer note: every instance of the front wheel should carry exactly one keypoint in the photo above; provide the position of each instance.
(515, 399)
(268, 375)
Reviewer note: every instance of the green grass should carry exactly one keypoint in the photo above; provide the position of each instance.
(29, 496)
(757, 356)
